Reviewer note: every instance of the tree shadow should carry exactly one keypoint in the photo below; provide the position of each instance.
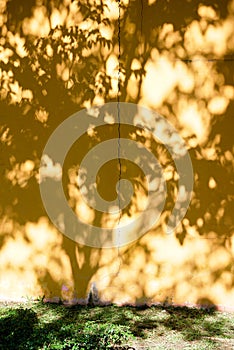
(49, 71)
(17, 327)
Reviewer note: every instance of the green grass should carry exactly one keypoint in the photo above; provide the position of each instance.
(36, 325)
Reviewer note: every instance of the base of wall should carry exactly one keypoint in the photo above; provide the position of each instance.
(84, 302)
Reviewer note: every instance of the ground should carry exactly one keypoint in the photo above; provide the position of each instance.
(38, 325)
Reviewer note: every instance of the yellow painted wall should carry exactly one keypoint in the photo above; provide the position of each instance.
(187, 53)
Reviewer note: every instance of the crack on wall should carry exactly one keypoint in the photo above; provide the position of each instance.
(190, 60)
(142, 8)
(119, 134)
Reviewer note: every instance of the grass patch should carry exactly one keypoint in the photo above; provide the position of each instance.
(36, 325)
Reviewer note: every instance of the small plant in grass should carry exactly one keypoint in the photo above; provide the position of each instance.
(104, 336)
(92, 336)
(88, 336)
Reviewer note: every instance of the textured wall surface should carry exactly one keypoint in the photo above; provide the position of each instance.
(60, 57)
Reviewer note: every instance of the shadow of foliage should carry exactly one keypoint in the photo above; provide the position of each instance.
(16, 328)
(46, 78)
(109, 327)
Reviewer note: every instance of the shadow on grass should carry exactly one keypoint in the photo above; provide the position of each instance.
(51, 326)
(16, 327)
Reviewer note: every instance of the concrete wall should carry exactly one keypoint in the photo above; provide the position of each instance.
(176, 59)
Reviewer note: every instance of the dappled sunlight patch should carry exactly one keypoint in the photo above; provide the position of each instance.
(202, 36)
(220, 34)
(112, 65)
(5, 54)
(38, 24)
(227, 91)
(39, 255)
(42, 233)
(49, 170)
(219, 259)
(106, 31)
(218, 105)
(12, 88)
(16, 92)
(27, 95)
(111, 10)
(159, 82)
(133, 82)
(84, 212)
(110, 221)
(211, 150)
(18, 43)
(193, 121)
(195, 114)
(197, 77)
(8, 255)
(207, 12)
(63, 71)
(212, 183)
(20, 174)
(6, 137)
(41, 115)
(17, 284)
(98, 100)
(178, 273)
(169, 36)
(186, 79)
(58, 17)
